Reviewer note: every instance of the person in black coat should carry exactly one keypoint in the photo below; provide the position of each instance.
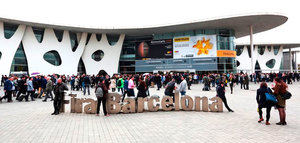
(22, 88)
(59, 93)
(262, 103)
(221, 94)
(142, 88)
(157, 80)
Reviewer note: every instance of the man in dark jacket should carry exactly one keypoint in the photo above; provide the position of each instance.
(59, 93)
(22, 88)
(8, 88)
(262, 102)
(221, 94)
(87, 83)
(157, 80)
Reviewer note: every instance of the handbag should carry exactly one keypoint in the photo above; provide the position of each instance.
(286, 95)
(271, 98)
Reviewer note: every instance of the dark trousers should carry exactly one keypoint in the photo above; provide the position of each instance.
(57, 105)
(103, 100)
(122, 90)
(158, 86)
(124, 94)
(31, 94)
(131, 92)
(231, 88)
(47, 95)
(225, 103)
(261, 112)
(18, 94)
(8, 95)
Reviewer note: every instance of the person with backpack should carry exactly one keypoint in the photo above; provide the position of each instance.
(120, 84)
(101, 92)
(263, 103)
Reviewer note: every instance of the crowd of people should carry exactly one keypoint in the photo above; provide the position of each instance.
(43, 86)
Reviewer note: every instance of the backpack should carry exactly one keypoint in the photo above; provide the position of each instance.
(119, 83)
(286, 95)
(99, 92)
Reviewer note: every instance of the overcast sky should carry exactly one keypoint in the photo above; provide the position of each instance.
(139, 13)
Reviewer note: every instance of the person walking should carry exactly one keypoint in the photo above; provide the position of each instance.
(49, 88)
(126, 89)
(221, 94)
(8, 88)
(101, 93)
(22, 89)
(280, 89)
(59, 93)
(131, 87)
(30, 90)
(120, 84)
(263, 103)
(231, 83)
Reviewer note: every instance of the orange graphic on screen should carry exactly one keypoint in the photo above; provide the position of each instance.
(203, 46)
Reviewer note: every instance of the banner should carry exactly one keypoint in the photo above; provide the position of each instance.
(226, 53)
(194, 46)
(155, 49)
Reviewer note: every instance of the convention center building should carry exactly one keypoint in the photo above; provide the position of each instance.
(198, 46)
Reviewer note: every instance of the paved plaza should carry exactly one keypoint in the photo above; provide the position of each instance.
(33, 122)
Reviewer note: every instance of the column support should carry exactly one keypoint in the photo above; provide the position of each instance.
(252, 47)
(291, 60)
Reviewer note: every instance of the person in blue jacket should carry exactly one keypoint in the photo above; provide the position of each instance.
(8, 88)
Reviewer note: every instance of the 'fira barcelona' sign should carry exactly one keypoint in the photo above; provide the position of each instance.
(133, 105)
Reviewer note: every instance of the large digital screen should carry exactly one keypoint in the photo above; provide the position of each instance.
(155, 49)
(194, 46)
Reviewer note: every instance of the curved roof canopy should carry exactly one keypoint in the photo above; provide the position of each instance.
(284, 45)
(240, 24)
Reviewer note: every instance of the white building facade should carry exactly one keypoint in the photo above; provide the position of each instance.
(48, 49)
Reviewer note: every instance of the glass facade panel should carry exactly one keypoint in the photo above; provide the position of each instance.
(239, 50)
(73, 40)
(269, 48)
(19, 62)
(98, 55)
(226, 65)
(39, 33)
(59, 34)
(271, 63)
(276, 49)
(53, 58)
(112, 39)
(81, 67)
(9, 30)
(261, 49)
(98, 37)
(88, 38)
